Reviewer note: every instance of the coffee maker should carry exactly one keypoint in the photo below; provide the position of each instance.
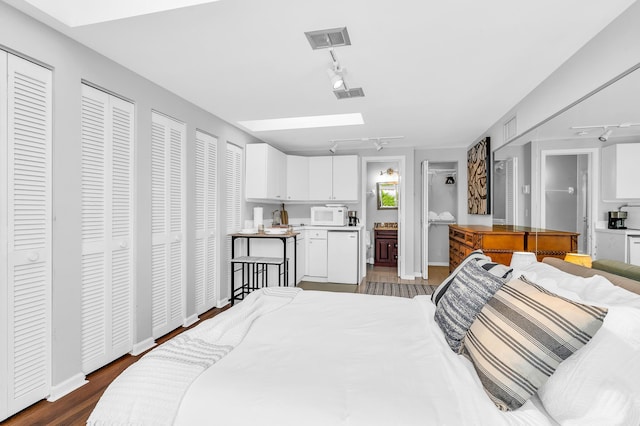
(616, 219)
(353, 218)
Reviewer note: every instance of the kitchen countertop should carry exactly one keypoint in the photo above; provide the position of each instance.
(619, 231)
(330, 228)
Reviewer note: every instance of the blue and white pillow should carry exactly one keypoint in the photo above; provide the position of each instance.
(469, 291)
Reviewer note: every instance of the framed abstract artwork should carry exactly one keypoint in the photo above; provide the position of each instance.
(478, 166)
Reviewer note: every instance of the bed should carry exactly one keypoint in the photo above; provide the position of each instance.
(285, 356)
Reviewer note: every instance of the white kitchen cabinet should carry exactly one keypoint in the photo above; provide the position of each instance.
(301, 259)
(266, 173)
(620, 172)
(333, 178)
(297, 178)
(633, 242)
(316, 253)
(320, 178)
(622, 245)
(345, 177)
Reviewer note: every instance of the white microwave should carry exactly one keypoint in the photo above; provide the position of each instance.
(329, 215)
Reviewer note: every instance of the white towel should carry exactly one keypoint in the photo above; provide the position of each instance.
(433, 215)
(446, 216)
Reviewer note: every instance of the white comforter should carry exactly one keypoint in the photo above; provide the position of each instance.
(345, 359)
(289, 357)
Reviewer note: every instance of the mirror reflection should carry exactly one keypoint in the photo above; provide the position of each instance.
(550, 177)
(387, 195)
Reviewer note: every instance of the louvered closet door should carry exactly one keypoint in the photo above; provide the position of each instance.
(206, 221)
(233, 201)
(25, 222)
(168, 255)
(107, 227)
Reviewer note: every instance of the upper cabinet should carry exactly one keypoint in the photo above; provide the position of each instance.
(297, 178)
(266, 172)
(620, 172)
(320, 178)
(345, 177)
(333, 178)
(272, 175)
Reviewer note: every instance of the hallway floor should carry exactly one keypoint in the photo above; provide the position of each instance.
(437, 274)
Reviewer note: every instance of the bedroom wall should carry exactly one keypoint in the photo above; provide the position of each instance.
(72, 62)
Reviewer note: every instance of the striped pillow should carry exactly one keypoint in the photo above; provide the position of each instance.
(467, 294)
(496, 269)
(521, 336)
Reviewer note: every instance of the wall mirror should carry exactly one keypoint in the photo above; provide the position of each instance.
(387, 195)
(531, 182)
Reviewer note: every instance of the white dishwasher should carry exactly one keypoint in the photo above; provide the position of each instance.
(342, 259)
(634, 249)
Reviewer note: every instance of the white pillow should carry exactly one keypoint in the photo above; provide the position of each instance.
(600, 383)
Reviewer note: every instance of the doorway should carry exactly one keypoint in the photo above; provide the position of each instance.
(378, 175)
(439, 209)
(566, 199)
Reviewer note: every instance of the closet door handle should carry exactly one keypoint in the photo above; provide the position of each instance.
(33, 257)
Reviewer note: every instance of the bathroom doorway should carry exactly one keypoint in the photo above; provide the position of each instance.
(383, 210)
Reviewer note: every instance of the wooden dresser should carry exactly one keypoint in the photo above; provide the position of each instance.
(500, 241)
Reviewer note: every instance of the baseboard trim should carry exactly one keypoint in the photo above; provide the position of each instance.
(143, 346)
(438, 263)
(222, 302)
(408, 277)
(67, 387)
(190, 321)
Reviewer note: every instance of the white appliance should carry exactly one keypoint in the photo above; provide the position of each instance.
(342, 257)
(634, 249)
(329, 215)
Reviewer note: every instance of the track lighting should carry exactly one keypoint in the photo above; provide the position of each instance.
(335, 73)
(335, 76)
(605, 136)
(377, 145)
(333, 148)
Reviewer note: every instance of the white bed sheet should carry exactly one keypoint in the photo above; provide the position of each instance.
(345, 359)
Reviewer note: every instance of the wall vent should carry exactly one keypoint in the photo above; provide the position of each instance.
(323, 39)
(351, 93)
(509, 129)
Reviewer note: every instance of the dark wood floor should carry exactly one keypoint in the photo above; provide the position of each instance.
(75, 408)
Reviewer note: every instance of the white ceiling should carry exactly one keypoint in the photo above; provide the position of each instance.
(438, 73)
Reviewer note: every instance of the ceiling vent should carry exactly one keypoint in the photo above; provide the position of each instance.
(350, 93)
(324, 39)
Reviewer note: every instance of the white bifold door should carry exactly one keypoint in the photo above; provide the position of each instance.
(107, 227)
(168, 251)
(206, 273)
(25, 233)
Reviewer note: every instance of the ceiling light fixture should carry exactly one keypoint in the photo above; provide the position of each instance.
(377, 145)
(605, 136)
(606, 127)
(336, 72)
(336, 79)
(333, 148)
